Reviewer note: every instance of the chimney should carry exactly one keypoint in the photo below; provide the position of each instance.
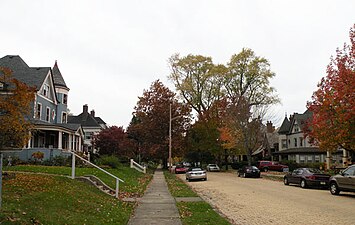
(269, 127)
(85, 108)
(92, 112)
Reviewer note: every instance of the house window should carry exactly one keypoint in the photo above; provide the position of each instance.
(284, 143)
(317, 158)
(39, 110)
(48, 111)
(64, 117)
(295, 139)
(301, 141)
(46, 90)
(89, 135)
(309, 159)
(65, 99)
(302, 158)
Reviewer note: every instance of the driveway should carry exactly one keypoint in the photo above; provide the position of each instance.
(261, 201)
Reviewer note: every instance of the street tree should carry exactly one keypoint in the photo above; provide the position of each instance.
(198, 80)
(247, 87)
(15, 108)
(333, 103)
(113, 141)
(151, 125)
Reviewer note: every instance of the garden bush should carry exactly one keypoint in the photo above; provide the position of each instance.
(111, 161)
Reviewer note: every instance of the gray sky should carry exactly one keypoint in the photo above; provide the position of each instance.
(109, 51)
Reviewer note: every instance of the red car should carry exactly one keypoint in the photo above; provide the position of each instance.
(180, 169)
(270, 165)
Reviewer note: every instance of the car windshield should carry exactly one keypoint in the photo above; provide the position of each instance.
(313, 170)
(196, 169)
(213, 165)
(254, 167)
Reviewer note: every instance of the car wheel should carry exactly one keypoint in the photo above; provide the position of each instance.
(265, 169)
(238, 174)
(303, 183)
(286, 181)
(334, 190)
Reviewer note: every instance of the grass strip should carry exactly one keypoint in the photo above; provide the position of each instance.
(200, 213)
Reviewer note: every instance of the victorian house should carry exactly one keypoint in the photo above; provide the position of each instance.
(295, 146)
(51, 133)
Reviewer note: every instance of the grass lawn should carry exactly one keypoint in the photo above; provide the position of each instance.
(134, 182)
(192, 212)
(41, 198)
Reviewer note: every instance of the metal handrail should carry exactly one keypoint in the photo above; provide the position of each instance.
(135, 165)
(73, 171)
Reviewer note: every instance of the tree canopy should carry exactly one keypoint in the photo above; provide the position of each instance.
(113, 141)
(242, 85)
(15, 102)
(333, 103)
(150, 124)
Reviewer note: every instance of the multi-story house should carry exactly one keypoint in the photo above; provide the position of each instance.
(51, 133)
(293, 145)
(91, 125)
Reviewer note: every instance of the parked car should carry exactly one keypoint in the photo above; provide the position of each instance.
(307, 177)
(213, 167)
(271, 165)
(196, 173)
(345, 181)
(249, 171)
(180, 169)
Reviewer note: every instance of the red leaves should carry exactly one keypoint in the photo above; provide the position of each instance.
(333, 104)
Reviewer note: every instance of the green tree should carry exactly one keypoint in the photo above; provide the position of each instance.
(15, 102)
(198, 80)
(247, 86)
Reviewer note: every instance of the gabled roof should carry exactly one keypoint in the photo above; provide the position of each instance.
(32, 76)
(57, 76)
(285, 127)
(85, 119)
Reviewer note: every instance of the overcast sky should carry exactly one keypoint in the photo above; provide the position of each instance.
(109, 51)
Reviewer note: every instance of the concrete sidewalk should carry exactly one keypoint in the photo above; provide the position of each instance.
(157, 206)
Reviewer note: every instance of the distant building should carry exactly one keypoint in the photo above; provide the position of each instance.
(51, 133)
(91, 125)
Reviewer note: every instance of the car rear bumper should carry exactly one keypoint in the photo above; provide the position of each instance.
(318, 183)
(197, 177)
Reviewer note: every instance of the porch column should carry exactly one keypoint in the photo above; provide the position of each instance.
(345, 158)
(29, 140)
(328, 160)
(70, 142)
(80, 148)
(60, 139)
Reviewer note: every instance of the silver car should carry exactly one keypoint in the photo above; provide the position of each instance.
(345, 181)
(213, 167)
(196, 174)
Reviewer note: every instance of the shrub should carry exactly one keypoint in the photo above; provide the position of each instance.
(111, 161)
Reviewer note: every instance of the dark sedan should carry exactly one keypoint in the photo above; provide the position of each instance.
(249, 171)
(307, 177)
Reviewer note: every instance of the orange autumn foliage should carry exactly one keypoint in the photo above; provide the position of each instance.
(15, 100)
(333, 104)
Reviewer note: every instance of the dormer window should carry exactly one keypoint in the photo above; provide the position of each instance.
(45, 90)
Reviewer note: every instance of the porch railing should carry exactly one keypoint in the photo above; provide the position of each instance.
(90, 163)
(138, 167)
